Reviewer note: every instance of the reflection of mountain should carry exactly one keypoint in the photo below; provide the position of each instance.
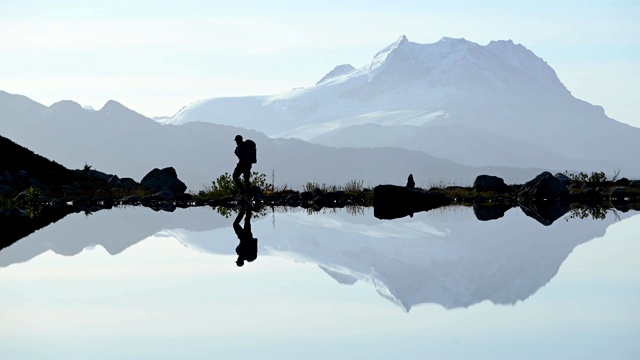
(115, 230)
(448, 258)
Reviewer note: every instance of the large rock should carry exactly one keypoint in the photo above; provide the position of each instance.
(544, 187)
(564, 179)
(392, 201)
(484, 183)
(163, 180)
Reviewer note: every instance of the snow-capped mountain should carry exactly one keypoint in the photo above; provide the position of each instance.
(454, 99)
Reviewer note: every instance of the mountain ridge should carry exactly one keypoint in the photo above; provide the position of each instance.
(129, 144)
(502, 89)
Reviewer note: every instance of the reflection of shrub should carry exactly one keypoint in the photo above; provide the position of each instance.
(32, 201)
(585, 212)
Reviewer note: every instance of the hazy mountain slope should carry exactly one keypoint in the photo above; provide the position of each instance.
(452, 90)
(120, 141)
(470, 146)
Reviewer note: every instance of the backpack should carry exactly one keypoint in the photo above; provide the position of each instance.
(249, 152)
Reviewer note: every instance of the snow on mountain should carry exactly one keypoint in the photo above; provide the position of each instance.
(403, 76)
(337, 71)
(501, 97)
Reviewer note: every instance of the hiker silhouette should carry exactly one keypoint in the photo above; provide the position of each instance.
(247, 250)
(246, 153)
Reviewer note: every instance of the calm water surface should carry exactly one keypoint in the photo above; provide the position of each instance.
(137, 284)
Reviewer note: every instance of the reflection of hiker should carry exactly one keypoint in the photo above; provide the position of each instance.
(246, 153)
(247, 250)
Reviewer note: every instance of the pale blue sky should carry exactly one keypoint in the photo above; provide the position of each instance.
(158, 56)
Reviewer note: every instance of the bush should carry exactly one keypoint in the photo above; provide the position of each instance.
(352, 186)
(596, 177)
(225, 186)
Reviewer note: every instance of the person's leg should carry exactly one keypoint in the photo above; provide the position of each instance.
(236, 178)
(247, 179)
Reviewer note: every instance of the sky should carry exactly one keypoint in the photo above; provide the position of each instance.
(156, 57)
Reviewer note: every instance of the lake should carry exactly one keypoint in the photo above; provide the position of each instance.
(131, 283)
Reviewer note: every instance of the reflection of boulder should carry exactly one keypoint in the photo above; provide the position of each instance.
(490, 211)
(392, 201)
(545, 212)
(543, 186)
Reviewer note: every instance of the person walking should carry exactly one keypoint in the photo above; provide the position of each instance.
(246, 153)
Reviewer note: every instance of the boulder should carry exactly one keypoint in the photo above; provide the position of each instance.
(623, 182)
(488, 183)
(163, 180)
(114, 181)
(392, 201)
(563, 178)
(411, 184)
(128, 183)
(543, 187)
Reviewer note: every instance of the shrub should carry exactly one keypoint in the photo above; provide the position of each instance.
(352, 186)
(596, 177)
(224, 185)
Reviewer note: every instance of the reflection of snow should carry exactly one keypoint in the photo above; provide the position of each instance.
(450, 259)
(446, 258)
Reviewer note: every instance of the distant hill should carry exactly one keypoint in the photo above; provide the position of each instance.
(492, 105)
(120, 141)
(18, 158)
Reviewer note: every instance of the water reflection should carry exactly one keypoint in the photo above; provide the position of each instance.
(445, 256)
(247, 250)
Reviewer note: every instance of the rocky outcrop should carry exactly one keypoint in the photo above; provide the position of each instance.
(411, 184)
(543, 187)
(163, 180)
(488, 183)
